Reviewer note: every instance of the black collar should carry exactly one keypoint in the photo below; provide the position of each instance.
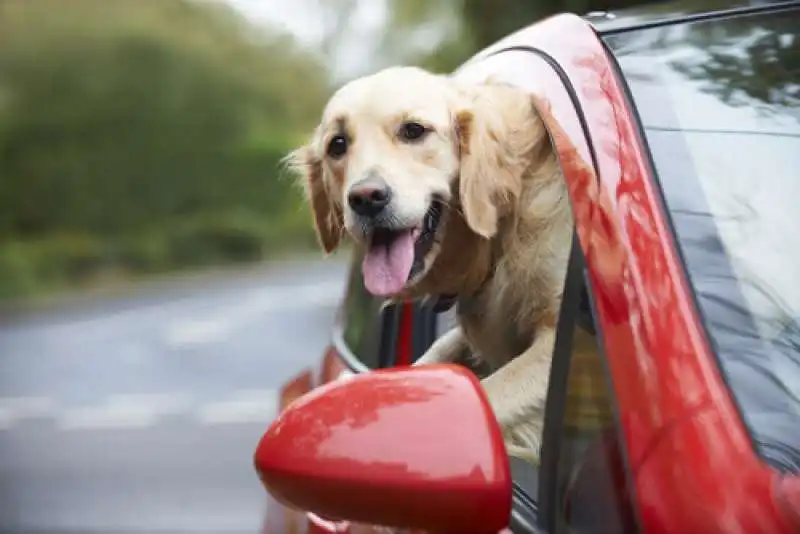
(444, 303)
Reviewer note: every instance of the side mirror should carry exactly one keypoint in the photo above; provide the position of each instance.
(411, 447)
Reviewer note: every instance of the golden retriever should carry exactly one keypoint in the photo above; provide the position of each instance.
(453, 189)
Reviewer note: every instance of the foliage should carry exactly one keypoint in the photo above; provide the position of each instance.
(144, 135)
(477, 24)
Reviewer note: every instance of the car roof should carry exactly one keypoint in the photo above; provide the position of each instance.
(634, 18)
(674, 11)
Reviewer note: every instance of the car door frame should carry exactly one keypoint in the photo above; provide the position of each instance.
(535, 513)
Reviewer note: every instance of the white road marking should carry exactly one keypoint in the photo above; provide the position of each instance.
(141, 411)
(125, 411)
(252, 406)
(196, 332)
(283, 294)
(15, 409)
(220, 325)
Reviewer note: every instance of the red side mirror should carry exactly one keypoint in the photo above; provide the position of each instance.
(412, 447)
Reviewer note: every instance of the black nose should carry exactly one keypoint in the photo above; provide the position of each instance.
(368, 197)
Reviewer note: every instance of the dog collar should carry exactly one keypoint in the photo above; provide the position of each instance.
(444, 303)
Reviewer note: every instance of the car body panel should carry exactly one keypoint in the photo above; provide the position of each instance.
(669, 12)
(715, 487)
(723, 138)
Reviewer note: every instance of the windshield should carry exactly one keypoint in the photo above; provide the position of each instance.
(719, 102)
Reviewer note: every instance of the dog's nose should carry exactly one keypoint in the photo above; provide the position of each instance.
(368, 197)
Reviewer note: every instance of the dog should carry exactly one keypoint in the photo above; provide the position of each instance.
(453, 190)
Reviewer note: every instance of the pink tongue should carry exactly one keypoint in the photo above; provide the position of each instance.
(386, 269)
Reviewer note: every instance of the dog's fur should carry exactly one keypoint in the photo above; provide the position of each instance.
(502, 246)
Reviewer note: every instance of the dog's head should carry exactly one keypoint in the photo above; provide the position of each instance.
(400, 152)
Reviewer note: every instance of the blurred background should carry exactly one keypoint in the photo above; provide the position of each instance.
(158, 275)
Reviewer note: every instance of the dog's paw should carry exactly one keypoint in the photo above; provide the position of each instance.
(524, 441)
(523, 453)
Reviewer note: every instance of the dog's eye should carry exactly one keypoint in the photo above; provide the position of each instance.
(412, 131)
(337, 146)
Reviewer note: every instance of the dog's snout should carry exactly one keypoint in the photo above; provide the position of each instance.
(368, 197)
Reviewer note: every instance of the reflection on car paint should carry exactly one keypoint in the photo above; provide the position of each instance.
(723, 124)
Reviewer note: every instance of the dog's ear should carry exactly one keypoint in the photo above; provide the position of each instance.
(493, 125)
(328, 216)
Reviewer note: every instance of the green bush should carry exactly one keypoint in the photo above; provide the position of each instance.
(232, 237)
(145, 253)
(142, 136)
(17, 272)
(68, 259)
(62, 258)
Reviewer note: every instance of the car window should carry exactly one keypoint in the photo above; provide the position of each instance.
(368, 330)
(591, 489)
(719, 103)
(592, 486)
(584, 485)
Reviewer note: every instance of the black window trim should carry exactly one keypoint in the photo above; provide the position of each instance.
(556, 400)
(524, 513)
(577, 309)
(387, 337)
(424, 333)
(699, 17)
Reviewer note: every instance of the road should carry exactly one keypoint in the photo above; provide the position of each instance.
(141, 413)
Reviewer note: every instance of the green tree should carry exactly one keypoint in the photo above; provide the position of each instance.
(441, 35)
(137, 120)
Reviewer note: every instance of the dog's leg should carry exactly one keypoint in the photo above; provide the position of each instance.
(517, 392)
(446, 349)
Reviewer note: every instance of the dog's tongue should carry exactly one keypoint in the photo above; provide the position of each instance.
(386, 267)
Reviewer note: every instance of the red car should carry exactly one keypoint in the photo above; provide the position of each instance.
(678, 132)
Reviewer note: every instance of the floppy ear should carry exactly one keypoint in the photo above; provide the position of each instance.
(494, 129)
(328, 217)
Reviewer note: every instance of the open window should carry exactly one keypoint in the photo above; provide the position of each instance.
(583, 486)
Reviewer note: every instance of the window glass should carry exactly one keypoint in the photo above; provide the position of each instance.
(719, 103)
(592, 485)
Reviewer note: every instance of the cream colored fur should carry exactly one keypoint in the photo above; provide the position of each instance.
(504, 243)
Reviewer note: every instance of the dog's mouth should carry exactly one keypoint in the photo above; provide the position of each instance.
(396, 256)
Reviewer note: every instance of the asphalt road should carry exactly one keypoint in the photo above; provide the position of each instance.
(141, 413)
